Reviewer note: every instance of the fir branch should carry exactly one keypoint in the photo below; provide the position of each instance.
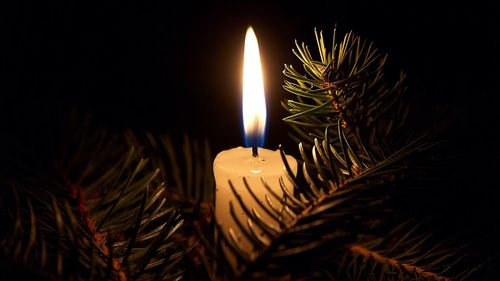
(144, 238)
(326, 209)
(55, 246)
(99, 238)
(353, 159)
(345, 86)
(124, 223)
(406, 269)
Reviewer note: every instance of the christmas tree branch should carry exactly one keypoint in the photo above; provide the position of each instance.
(89, 224)
(344, 87)
(354, 150)
(410, 269)
(337, 201)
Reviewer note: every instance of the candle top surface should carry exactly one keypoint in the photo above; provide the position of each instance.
(239, 161)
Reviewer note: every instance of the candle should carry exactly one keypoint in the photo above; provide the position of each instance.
(257, 166)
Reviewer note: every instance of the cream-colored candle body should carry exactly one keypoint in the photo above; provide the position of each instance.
(234, 165)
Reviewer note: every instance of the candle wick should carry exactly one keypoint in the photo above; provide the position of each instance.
(255, 150)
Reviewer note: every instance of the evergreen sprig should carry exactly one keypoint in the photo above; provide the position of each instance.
(355, 150)
(345, 86)
(110, 215)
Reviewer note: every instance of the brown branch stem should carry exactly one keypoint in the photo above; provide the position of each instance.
(90, 225)
(369, 254)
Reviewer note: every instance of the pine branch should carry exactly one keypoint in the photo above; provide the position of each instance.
(354, 155)
(124, 222)
(55, 247)
(407, 269)
(140, 212)
(314, 217)
(345, 87)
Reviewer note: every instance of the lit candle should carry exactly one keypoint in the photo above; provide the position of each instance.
(255, 165)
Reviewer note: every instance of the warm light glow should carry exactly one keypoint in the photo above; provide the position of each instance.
(254, 101)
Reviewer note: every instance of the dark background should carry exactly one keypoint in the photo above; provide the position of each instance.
(174, 69)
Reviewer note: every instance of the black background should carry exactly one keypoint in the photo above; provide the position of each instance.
(176, 68)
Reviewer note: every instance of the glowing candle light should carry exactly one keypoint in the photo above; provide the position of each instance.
(254, 100)
(252, 163)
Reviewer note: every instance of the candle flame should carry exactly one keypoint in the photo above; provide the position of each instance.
(254, 101)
